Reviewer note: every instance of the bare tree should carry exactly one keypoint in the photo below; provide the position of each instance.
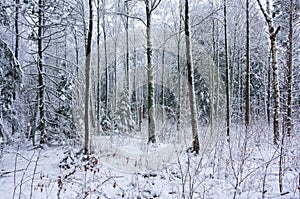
(106, 104)
(151, 5)
(190, 70)
(273, 32)
(98, 102)
(87, 79)
(227, 73)
(178, 67)
(289, 70)
(17, 29)
(247, 111)
(41, 86)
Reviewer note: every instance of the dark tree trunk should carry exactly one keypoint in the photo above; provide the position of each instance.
(98, 68)
(17, 29)
(106, 104)
(87, 80)
(289, 71)
(247, 111)
(191, 85)
(41, 85)
(227, 74)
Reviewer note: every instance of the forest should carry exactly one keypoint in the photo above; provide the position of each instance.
(150, 99)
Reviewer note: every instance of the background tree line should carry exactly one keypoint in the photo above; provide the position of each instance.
(245, 59)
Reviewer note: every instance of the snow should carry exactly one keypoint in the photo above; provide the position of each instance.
(124, 166)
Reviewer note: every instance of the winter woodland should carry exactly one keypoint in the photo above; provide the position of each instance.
(149, 99)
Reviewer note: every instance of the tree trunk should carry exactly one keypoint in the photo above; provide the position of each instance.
(269, 92)
(240, 82)
(179, 68)
(87, 80)
(127, 68)
(190, 70)
(211, 115)
(76, 51)
(227, 74)
(273, 36)
(98, 68)
(289, 71)
(276, 87)
(17, 29)
(247, 110)
(127, 50)
(106, 107)
(151, 99)
(163, 81)
(218, 73)
(41, 85)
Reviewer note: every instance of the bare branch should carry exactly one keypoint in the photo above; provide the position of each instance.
(266, 15)
(130, 16)
(154, 5)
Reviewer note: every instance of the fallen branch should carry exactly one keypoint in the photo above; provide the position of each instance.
(2, 173)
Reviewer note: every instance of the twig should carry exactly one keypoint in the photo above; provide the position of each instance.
(22, 179)
(111, 177)
(8, 172)
(34, 172)
(15, 170)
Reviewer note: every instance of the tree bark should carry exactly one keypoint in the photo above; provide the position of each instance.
(273, 36)
(106, 107)
(151, 99)
(17, 29)
(179, 68)
(41, 85)
(127, 49)
(190, 70)
(269, 92)
(247, 111)
(227, 74)
(276, 87)
(87, 80)
(289, 71)
(98, 68)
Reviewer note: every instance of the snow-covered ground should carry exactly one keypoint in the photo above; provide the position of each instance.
(128, 168)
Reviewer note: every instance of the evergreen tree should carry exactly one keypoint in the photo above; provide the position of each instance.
(10, 88)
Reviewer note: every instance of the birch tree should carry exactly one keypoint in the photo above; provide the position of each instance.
(273, 32)
(41, 86)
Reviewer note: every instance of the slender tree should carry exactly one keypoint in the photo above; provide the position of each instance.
(41, 86)
(151, 5)
(247, 111)
(17, 29)
(127, 72)
(98, 67)
(227, 72)
(289, 70)
(190, 69)
(179, 65)
(269, 91)
(273, 32)
(87, 80)
(106, 104)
